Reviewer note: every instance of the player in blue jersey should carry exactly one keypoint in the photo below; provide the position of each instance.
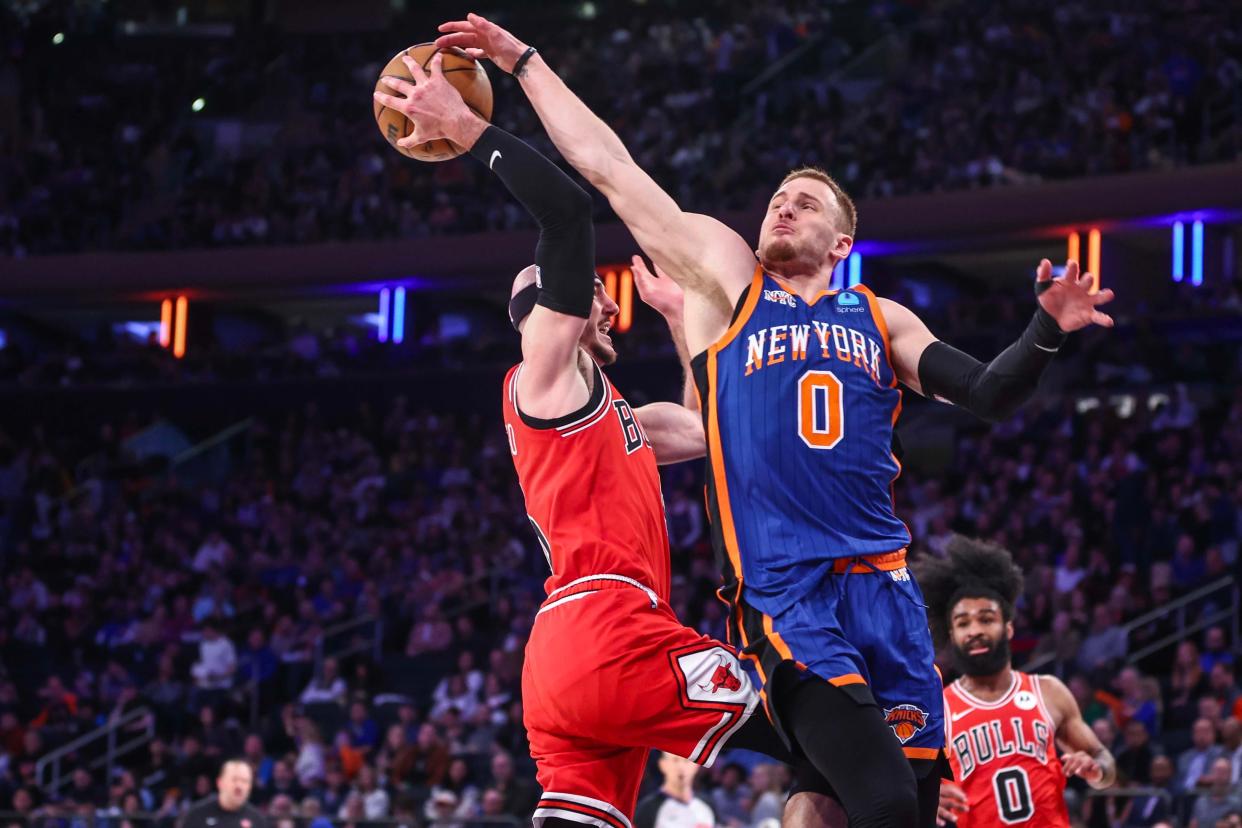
(798, 385)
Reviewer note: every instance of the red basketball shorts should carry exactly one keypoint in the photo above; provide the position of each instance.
(610, 673)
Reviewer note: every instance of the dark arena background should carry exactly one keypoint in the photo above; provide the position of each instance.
(256, 499)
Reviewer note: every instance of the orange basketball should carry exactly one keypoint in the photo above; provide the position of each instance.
(467, 76)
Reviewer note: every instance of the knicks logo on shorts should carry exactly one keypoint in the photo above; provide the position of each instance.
(906, 720)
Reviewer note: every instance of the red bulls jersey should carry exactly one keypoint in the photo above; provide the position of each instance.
(1004, 756)
(592, 488)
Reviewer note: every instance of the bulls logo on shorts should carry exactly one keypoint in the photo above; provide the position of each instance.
(906, 720)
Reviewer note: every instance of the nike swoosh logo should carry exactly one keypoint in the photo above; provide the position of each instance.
(495, 154)
(957, 716)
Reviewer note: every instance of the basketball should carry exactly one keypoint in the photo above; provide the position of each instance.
(465, 74)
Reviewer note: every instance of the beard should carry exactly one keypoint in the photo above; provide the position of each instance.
(984, 664)
(778, 251)
(600, 350)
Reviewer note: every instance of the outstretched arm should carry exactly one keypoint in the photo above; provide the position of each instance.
(996, 389)
(660, 292)
(701, 254)
(550, 384)
(1084, 754)
(676, 431)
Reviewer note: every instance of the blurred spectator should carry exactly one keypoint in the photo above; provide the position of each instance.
(327, 687)
(674, 805)
(1106, 643)
(1194, 766)
(217, 661)
(1155, 808)
(1219, 801)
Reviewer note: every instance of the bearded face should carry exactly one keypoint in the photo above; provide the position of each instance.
(800, 230)
(979, 637)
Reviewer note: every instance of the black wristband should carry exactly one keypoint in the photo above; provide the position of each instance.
(521, 62)
(565, 253)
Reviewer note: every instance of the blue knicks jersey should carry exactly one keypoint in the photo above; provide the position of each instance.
(799, 402)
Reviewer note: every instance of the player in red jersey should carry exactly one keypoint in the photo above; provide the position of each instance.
(1003, 727)
(609, 672)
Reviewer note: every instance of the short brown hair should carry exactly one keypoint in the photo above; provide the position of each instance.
(848, 211)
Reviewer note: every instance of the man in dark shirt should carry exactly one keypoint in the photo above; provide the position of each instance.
(229, 807)
(675, 805)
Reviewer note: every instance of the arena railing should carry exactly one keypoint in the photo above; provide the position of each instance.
(1225, 587)
(114, 748)
(342, 640)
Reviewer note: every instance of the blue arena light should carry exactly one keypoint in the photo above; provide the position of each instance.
(855, 269)
(1179, 251)
(398, 316)
(1196, 253)
(382, 330)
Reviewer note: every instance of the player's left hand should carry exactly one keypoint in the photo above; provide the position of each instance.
(1069, 301)
(657, 289)
(953, 803)
(434, 107)
(1080, 763)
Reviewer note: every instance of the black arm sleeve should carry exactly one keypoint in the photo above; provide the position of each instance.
(565, 254)
(995, 390)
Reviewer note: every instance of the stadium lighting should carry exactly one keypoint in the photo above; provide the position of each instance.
(1196, 253)
(166, 315)
(855, 269)
(1179, 251)
(398, 316)
(625, 302)
(1093, 258)
(1074, 247)
(198, 104)
(58, 38)
(381, 332)
(179, 332)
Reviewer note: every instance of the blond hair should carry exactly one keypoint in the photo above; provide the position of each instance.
(846, 204)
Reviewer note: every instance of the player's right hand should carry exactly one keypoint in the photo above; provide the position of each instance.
(435, 108)
(953, 803)
(481, 38)
(658, 290)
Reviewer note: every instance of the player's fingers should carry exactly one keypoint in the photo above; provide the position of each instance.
(461, 40)
(1105, 295)
(415, 69)
(389, 101)
(1071, 270)
(456, 26)
(397, 84)
(437, 64)
(1044, 272)
(477, 54)
(1102, 319)
(1086, 280)
(639, 267)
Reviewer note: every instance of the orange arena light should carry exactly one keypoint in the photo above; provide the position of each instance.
(1093, 257)
(625, 316)
(166, 313)
(1075, 244)
(183, 309)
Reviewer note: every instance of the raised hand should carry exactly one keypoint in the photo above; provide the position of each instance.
(433, 106)
(1079, 763)
(1069, 301)
(953, 803)
(481, 38)
(657, 290)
